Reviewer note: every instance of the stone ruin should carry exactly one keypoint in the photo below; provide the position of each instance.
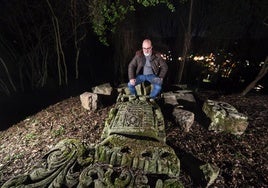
(225, 117)
(132, 153)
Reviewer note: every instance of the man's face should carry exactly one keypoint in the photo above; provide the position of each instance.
(147, 48)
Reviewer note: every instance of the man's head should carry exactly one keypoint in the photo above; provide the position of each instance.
(147, 47)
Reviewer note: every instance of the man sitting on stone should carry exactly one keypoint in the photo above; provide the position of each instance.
(147, 65)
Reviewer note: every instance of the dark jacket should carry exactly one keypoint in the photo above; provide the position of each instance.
(136, 65)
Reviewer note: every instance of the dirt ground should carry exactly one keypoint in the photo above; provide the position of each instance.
(243, 160)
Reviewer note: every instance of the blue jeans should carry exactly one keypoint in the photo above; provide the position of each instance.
(153, 79)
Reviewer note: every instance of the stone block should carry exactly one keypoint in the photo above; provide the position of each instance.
(185, 95)
(104, 89)
(210, 173)
(184, 118)
(224, 117)
(170, 98)
(123, 89)
(89, 100)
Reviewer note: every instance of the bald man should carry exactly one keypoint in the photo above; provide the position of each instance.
(147, 65)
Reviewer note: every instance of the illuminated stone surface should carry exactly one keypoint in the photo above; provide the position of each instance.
(225, 117)
(184, 118)
(136, 117)
(133, 153)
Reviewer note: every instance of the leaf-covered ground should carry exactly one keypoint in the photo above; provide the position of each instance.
(243, 160)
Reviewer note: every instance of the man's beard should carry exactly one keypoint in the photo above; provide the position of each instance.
(147, 54)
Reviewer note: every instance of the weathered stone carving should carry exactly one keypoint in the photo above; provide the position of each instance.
(184, 118)
(147, 155)
(225, 117)
(137, 118)
(133, 153)
(89, 100)
(60, 167)
(104, 89)
(210, 172)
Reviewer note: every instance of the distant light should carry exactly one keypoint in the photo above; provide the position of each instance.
(258, 87)
(199, 58)
(261, 63)
(163, 56)
(206, 80)
(211, 63)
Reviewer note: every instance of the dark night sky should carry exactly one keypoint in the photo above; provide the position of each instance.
(236, 26)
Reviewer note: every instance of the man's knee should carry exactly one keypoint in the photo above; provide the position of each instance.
(157, 87)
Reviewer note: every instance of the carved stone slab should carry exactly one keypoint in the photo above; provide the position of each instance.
(225, 117)
(133, 153)
(137, 118)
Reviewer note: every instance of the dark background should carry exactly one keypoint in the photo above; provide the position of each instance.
(231, 30)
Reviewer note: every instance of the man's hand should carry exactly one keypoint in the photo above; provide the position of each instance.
(132, 81)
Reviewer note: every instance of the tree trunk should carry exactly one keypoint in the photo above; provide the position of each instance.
(8, 75)
(261, 74)
(123, 52)
(187, 43)
(59, 49)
